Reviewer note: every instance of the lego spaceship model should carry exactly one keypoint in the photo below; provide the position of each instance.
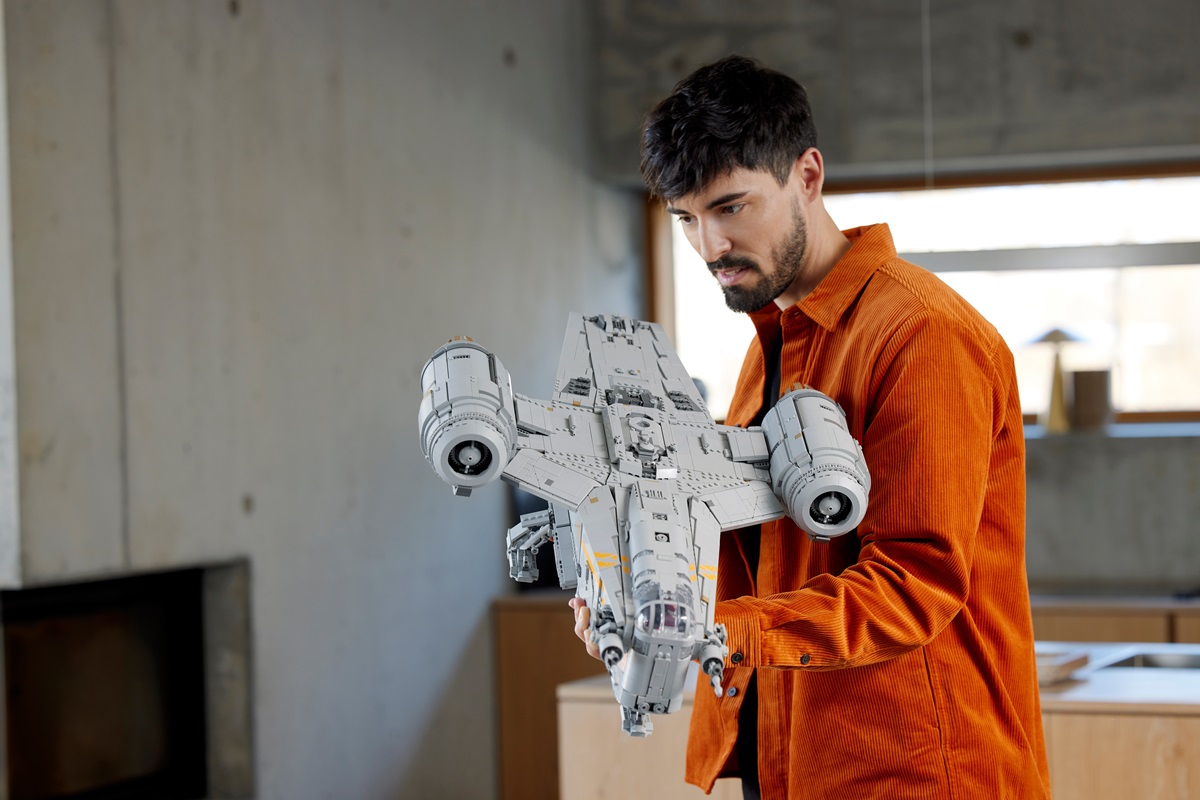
(640, 483)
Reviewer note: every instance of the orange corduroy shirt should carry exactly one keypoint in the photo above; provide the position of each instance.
(895, 661)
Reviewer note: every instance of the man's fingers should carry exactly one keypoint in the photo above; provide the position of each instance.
(583, 619)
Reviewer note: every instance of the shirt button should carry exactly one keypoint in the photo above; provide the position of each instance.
(804, 659)
(736, 658)
(732, 691)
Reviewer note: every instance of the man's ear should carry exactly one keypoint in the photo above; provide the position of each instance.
(809, 172)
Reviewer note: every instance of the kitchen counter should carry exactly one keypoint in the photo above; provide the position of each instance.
(1111, 734)
(1123, 732)
(1126, 690)
(1092, 687)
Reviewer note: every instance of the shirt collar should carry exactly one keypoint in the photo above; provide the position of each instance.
(871, 247)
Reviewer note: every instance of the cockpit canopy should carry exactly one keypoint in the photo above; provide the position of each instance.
(661, 618)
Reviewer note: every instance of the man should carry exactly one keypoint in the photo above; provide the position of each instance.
(897, 661)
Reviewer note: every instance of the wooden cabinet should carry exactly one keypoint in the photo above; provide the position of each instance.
(599, 761)
(1100, 625)
(1123, 756)
(1105, 619)
(1187, 627)
(536, 650)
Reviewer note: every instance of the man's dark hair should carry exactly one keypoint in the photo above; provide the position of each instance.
(729, 114)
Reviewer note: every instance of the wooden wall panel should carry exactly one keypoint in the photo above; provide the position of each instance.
(1084, 626)
(536, 650)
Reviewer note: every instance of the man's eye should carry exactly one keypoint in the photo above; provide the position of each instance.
(684, 219)
(730, 210)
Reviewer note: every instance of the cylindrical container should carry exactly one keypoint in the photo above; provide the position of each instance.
(1090, 404)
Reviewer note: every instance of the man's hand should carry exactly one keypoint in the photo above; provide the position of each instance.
(583, 618)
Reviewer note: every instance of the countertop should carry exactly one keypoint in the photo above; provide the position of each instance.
(1091, 689)
(1124, 690)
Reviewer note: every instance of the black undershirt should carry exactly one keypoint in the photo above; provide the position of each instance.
(750, 542)
(747, 741)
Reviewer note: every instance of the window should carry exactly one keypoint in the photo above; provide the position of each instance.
(1115, 264)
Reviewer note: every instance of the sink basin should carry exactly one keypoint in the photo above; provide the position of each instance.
(1162, 660)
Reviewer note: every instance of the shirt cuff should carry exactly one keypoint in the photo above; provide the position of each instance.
(743, 633)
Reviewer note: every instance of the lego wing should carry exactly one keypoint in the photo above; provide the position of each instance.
(601, 558)
(735, 487)
(544, 476)
(607, 360)
(707, 543)
(746, 504)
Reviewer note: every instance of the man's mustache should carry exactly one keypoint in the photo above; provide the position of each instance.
(732, 262)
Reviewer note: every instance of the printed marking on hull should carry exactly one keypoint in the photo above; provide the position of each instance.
(607, 560)
(591, 562)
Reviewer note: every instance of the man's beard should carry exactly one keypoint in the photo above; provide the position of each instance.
(789, 260)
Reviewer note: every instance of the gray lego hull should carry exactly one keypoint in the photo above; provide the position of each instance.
(640, 482)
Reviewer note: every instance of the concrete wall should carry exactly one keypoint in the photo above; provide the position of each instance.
(917, 89)
(240, 227)
(10, 530)
(1115, 512)
(66, 290)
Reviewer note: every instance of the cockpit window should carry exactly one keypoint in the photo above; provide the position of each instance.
(664, 619)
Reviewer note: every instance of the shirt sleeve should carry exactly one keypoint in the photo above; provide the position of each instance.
(931, 417)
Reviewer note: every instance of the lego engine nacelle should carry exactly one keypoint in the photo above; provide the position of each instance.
(817, 468)
(467, 424)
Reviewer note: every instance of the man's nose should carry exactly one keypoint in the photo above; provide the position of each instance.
(711, 243)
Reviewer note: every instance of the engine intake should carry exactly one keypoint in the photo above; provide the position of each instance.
(467, 423)
(818, 469)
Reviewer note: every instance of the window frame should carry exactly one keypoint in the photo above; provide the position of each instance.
(658, 280)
